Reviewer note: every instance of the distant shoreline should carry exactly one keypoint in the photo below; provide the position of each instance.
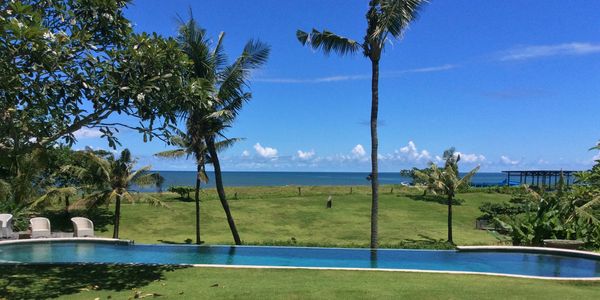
(259, 178)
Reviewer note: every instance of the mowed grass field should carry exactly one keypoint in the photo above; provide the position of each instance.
(124, 282)
(275, 215)
(278, 215)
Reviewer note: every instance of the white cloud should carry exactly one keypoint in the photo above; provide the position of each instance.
(410, 153)
(85, 133)
(245, 153)
(305, 155)
(471, 158)
(506, 160)
(266, 152)
(359, 150)
(337, 78)
(535, 51)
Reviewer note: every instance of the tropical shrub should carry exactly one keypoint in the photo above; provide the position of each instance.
(447, 181)
(183, 191)
(540, 216)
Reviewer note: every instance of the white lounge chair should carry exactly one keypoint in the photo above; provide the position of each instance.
(6, 228)
(82, 227)
(40, 228)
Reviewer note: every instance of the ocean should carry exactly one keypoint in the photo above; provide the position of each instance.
(173, 178)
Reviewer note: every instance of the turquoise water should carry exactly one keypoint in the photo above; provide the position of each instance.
(302, 178)
(516, 263)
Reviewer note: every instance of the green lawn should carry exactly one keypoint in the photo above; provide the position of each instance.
(275, 216)
(122, 282)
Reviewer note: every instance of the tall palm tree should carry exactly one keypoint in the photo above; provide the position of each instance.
(113, 179)
(226, 97)
(386, 19)
(446, 182)
(190, 145)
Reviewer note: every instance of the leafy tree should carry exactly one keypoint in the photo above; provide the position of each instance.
(411, 173)
(228, 93)
(552, 216)
(193, 145)
(386, 19)
(113, 181)
(447, 182)
(183, 191)
(71, 64)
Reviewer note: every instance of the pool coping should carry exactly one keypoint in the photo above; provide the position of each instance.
(68, 239)
(394, 270)
(544, 250)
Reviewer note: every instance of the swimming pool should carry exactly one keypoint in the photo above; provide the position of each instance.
(507, 263)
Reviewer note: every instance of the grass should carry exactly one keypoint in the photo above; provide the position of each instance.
(124, 282)
(278, 215)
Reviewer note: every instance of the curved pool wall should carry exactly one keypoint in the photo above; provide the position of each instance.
(539, 265)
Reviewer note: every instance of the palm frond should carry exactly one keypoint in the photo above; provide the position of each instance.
(327, 42)
(595, 201)
(176, 153)
(75, 171)
(254, 55)
(94, 199)
(153, 200)
(587, 216)
(226, 143)
(52, 194)
(103, 166)
(203, 176)
(394, 16)
(142, 176)
(233, 78)
(466, 180)
(218, 53)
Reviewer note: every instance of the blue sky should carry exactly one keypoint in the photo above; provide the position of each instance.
(511, 84)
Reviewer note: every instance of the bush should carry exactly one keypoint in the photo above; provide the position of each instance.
(183, 191)
(493, 210)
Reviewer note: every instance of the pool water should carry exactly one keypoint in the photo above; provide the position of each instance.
(514, 263)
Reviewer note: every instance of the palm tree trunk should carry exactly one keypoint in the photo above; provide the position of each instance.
(374, 145)
(67, 203)
(210, 143)
(117, 217)
(198, 241)
(450, 219)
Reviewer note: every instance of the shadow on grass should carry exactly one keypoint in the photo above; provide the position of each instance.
(46, 281)
(425, 242)
(433, 198)
(185, 242)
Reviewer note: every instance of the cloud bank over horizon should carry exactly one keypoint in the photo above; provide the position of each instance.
(357, 159)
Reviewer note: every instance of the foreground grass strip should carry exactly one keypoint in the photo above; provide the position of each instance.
(122, 282)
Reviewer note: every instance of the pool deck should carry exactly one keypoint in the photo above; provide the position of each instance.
(68, 239)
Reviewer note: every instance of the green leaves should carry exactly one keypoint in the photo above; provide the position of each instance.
(384, 17)
(445, 181)
(61, 56)
(392, 17)
(328, 42)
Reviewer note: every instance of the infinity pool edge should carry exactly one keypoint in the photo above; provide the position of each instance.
(519, 249)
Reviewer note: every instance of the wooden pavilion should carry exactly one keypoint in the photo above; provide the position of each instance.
(547, 178)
